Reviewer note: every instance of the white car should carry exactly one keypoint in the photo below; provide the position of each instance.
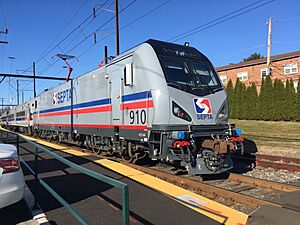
(12, 184)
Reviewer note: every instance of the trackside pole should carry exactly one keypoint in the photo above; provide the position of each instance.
(125, 205)
(36, 179)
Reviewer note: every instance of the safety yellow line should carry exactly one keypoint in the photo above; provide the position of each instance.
(210, 208)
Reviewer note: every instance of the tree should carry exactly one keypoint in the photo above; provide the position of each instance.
(253, 56)
(252, 102)
(268, 99)
(298, 101)
(260, 100)
(278, 100)
(265, 99)
(238, 98)
(290, 100)
(230, 96)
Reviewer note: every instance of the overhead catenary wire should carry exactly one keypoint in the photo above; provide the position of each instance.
(3, 14)
(219, 20)
(89, 35)
(82, 31)
(43, 56)
(127, 25)
(65, 27)
(66, 37)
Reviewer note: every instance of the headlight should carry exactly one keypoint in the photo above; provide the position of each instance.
(223, 113)
(179, 112)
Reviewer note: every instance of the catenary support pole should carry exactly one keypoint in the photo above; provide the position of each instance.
(34, 90)
(117, 26)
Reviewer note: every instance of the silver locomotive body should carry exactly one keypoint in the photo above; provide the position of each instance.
(158, 99)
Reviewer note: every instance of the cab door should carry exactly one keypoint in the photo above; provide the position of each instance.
(116, 95)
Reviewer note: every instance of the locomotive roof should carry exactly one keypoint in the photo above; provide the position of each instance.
(160, 47)
(172, 49)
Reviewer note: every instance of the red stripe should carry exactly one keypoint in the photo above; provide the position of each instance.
(77, 111)
(137, 105)
(132, 127)
(129, 127)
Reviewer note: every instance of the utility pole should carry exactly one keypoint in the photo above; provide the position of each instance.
(2, 99)
(117, 26)
(18, 93)
(269, 45)
(34, 90)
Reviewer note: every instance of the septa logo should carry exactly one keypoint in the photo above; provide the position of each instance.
(202, 106)
(55, 98)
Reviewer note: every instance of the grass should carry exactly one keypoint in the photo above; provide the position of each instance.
(269, 133)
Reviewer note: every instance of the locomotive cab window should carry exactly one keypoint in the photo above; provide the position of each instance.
(197, 77)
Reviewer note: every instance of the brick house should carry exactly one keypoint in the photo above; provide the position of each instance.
(283, 67)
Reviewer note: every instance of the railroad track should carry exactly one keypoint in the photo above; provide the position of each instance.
(215, 189)
(277, 162)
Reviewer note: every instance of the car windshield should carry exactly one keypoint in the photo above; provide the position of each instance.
(190, 73)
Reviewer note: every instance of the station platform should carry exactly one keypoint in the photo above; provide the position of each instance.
(151, 200)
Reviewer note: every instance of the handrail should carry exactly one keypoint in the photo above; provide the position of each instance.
(77, 215)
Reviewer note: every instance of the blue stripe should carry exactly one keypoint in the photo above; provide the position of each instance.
(78, 106)
(20, 119)
(136, 96)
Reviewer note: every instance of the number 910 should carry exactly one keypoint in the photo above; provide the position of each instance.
(138, 116)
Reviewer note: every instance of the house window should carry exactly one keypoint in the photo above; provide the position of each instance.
(242, 76)
(223, 79)
(290, 68)
(264, 72)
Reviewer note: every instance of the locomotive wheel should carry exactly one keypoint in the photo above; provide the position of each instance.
(128, 159)
(96, 150)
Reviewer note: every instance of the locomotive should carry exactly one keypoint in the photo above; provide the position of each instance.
(159, 100)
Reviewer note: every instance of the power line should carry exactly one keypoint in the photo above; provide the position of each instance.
(63, 29)
(82, 29)
(127, 25)
(4, 19)
(241, 50)
(91, 34)
(67, 36)
(286, 42)
(222, 19)
(287, 19)
(146, 14)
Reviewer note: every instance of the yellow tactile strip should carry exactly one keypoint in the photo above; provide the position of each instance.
(212, 209)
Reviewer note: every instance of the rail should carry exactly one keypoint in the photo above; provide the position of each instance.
(75, 213)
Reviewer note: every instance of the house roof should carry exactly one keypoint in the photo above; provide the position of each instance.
(259, 61)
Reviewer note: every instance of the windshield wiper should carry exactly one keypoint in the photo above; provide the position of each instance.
(202, 87)
(217, 89)
(175, 86)
(211, 90)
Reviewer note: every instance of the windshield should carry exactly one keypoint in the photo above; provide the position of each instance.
(190, 74)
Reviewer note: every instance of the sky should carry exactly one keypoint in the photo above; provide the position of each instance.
(225, 31)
